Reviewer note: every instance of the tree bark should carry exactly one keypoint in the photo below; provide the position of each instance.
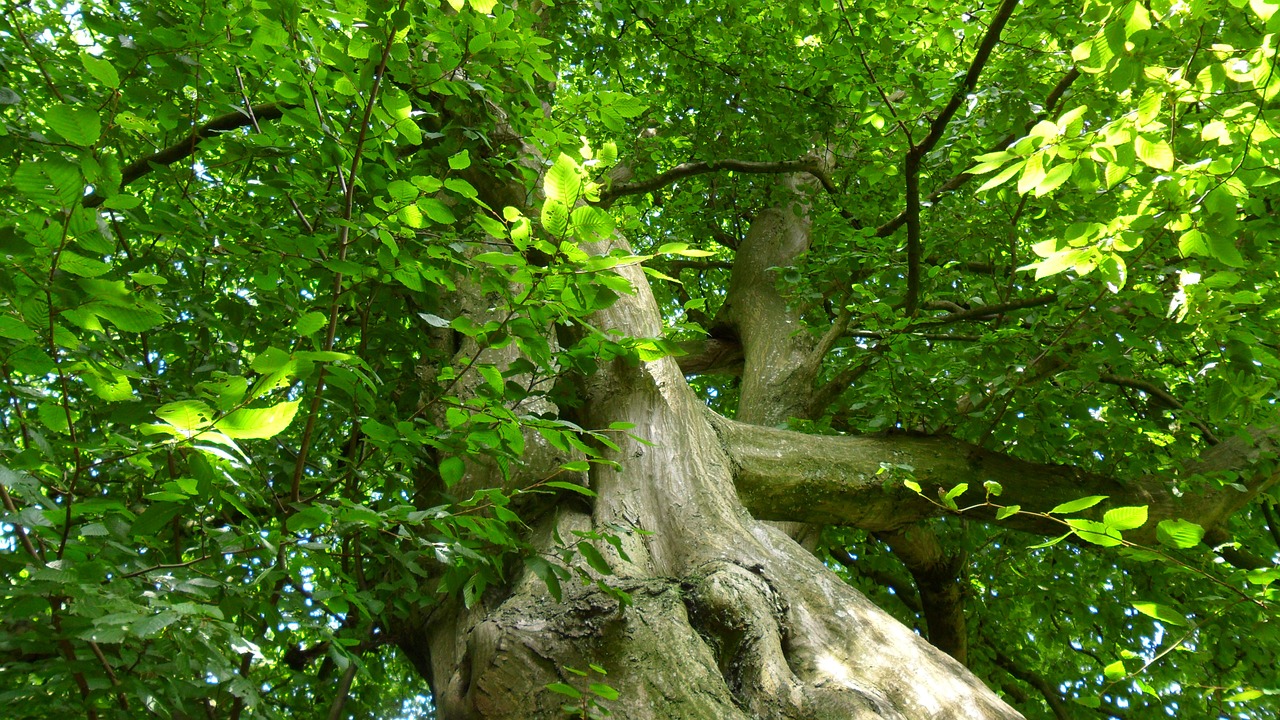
(730, 617)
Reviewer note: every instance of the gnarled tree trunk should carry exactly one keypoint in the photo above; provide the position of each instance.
(730, 618)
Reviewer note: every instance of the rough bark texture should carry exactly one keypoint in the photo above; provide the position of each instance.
(731, 617)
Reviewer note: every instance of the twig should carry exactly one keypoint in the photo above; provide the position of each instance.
(986, 311)
(344, 238)
(1051, 102)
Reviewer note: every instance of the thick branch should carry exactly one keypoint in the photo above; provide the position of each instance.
(936, 572)
(711, 356)
(186, 147)
(784, 475)
(939, 124)
(689, 169)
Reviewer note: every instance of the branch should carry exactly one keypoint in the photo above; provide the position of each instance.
(936, 572)
(901, 590)
(839, 480)
(987, 311)
(1041, 685)
(186, 147)
(690, 169)
(344, 691)
(1163, 396)
(711, 356)
(911, 166)
(1051, 105)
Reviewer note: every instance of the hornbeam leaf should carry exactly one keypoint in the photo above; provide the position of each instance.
(1077, 505)
(591, 223)
(1264, 9)
(186, 415)
(259, 423)
(78, 124)
(1126, 518)
(1164, 614)
(1007, 511)
(1002, 177)
(564, 181)
(1054, 178)
(555, 217)
(1156, 153)
(1095, 532)
(1179, 533)
(100, 69)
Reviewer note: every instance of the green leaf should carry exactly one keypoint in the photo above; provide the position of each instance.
(1054, 178)
(1192, 242)
(566, 690)
(1032, 174)
(100, 70)
(992, 488)
(1095, 532)
(1179, 533)
(309, 323)
(259, 423)
(80, 265)
(1164, 614)
(15, 329)
(603, 691)
(79, 125)
(460, 160)
(309, 518)
(563, 183)
(1263, 9)
(545, 572)
(1077, 505)
(189, 416)
(451, 470)
(591, 223)
(594, 558)
(560, 484)
(1007, 511)
(1115, 671)
(1126, 518)
(1002, 177)
(1155, 153)
(437, 211)
(555, 217)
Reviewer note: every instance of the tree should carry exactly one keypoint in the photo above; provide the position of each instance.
(669, 360)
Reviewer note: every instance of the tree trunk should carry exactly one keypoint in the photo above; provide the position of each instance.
(729, 617)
